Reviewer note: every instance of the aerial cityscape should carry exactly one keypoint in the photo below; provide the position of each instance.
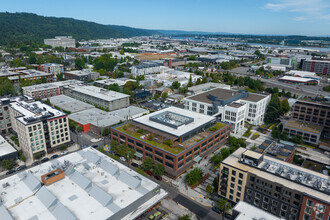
(176, 110)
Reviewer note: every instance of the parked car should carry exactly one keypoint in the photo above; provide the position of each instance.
(44, 160)
(149, 173)
(10, 172)
(122, 158)
(37, 162)
(135, 165)
(95, 146)
(158, 178)
(228, 216)
(217, 210)
(54, 156)
(64, 152)
(21, 168)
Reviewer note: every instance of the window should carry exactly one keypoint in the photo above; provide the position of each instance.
(169, 158)
(319, 215)
(241, 175)
(159, 160)
(257, 195)
(148, 155)
(252, 178)
(265, 206)
(180, 158)
(308, 210)
(233, 172)
(284, 207)
(148, 149)
(239, 188)
(232, 185)
(310, 203)
(188, 159)
(306, 217)
(233, 179)
(169, 165)
(240, 182)
(231, 191)
(283, 214)
(256, 202)
(266, 199)
(180, 165)
(159, 153)
(238, 194)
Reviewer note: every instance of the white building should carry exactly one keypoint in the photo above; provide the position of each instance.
(61, 41)
(146, 68)
(82, 185)
(40, 128)
(230, 106)
(53, 68)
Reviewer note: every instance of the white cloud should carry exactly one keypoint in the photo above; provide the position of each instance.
(305, 9)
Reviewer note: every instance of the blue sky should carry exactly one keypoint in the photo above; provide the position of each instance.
(305, 17)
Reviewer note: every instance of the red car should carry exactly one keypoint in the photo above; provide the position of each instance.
(149, 173)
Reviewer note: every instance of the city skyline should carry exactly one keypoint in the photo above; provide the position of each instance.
(267, 17)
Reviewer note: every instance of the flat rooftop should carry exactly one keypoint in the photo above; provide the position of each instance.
(100, 93)
(197, 121)
(34, 111)
(312, 128)
(297, 79)
(248, 211)
(5, 147)
(119, 81)
(94, 187)
(286, 174)
(51, 85)
(69, 104)
(100, 118)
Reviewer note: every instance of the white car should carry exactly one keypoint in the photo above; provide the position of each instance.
(64, 152)
(122, 158)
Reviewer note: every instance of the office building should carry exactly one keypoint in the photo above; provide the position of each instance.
(309, 132)
(230, 106)
(174, 137)
(52, 68)
(194, 90)
(104, 98)
(317, 66)
(7, 151)
(82, 185)
(40, 128)
(61, 41)
(81, 75)
(46, 90)
(286, 61)
(275, 186)
(31, 74)
(312, 112)
(107, 82)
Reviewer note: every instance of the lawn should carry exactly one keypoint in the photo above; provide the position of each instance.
(255, 136)
(312, 165)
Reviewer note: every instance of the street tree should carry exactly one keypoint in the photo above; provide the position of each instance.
(224, 205)
(158, 170)
(147, 164)
(176, 85)
(273, 111)
(209, 189)
(285, 106)
(190, 83)
(164, 95)
(194, 176)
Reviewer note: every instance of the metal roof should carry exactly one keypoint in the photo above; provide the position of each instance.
(46, 197)
(108, 167)
(30, 180)
(101, 196)
(91, 157)
(81, 180)
(5, 214)
(133, 182)
(61, 212)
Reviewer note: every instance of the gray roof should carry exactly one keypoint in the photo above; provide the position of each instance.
(62, 213)
(101, 196)
(81, 180)
(5, 214)
(91, 157)
(108, 167)
(30, 180)
(133, 182)
(46, 197)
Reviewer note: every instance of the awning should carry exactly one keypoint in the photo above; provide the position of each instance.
(138, 155)
(197, 159)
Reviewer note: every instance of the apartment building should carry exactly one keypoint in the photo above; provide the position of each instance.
(104, 98)
(52, 68)
(61, 41)
(310, 132)
(317, 66)
(174, 137)
(230, 106)
(147, 68)
(278, 187)
(47, 90)
(31, 74)
(312, 112)
(40, 128)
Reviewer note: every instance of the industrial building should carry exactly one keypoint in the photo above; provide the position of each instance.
(299, 80)
(68, 104)
(46, 90)
(104, 98)
(317, 66)
(31, 74)
(82, 185)
(194, 90)
(40, 128)
(97, 120)
(6, 150)
(277, 187)
(107, 82)
(61, 41)
(174, 137)
(230, 106)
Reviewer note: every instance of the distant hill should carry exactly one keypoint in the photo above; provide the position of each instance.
(27, 27)
(178, 32)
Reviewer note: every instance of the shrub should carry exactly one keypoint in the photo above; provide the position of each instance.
(168, 142)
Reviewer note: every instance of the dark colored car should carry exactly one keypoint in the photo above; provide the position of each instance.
(10, 172)
(135, 165)
(37, 162)
(54, 156)
(228, 216)
(44, 159)
(158, 178)
(217, 210)
(149, 173)
(21, 168)
(95, 146)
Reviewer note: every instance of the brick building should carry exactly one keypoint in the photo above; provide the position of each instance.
(174, 137)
